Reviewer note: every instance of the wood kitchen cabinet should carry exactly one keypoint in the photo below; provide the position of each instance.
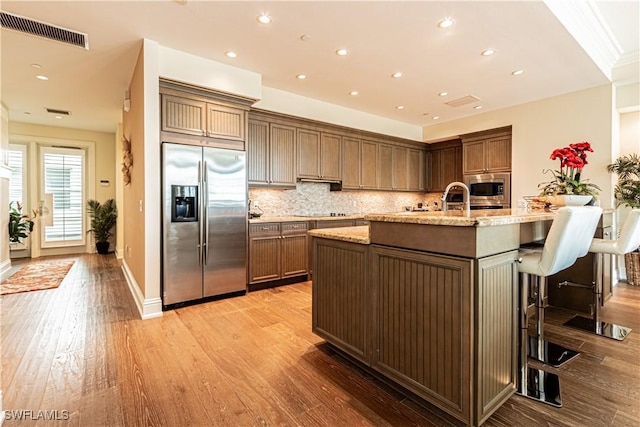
(200, 118)
(319, 155)
(487, 153)
(416, 170)
(400, 169)
(444, 164)
(385, 167)
(271, 154)
(359, 164)
(277, 250)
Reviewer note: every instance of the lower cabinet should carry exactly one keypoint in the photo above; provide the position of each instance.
(277, 250)
(443, 327)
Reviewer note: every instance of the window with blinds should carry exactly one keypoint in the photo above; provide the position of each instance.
(17, 181)
(63, 178)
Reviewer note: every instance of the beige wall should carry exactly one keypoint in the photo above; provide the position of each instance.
(132, 194)
(5, 174)
(541, 126)
(630, 133)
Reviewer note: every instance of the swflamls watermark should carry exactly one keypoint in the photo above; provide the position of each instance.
(35, 415)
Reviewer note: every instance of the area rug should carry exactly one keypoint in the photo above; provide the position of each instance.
(35, 276)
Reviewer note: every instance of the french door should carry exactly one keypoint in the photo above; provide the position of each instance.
(62, 196)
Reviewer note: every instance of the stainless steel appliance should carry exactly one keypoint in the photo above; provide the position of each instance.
(489, 191)
(204, 222)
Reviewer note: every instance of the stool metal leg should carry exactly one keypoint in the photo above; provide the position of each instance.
(596, 325)
(539, 348)
(533, 383)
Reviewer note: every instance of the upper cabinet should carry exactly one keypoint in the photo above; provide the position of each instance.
(416, 165)
(487, 153)
(359, 164)
(201, 118)
(444, 164)
(319, 155)
(271, 154)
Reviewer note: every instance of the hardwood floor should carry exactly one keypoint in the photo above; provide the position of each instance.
(253, 360)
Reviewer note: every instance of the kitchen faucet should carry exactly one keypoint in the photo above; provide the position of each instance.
(465, 197)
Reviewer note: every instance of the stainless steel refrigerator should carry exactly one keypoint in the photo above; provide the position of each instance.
(204, 222)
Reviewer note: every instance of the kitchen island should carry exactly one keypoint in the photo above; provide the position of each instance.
(429, 301)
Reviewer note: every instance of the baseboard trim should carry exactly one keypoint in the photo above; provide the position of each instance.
(147, 308)
(5, 266)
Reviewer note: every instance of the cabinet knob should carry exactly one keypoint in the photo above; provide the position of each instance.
(265, 228)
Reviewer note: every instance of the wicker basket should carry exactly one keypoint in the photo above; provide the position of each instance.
(632, 266)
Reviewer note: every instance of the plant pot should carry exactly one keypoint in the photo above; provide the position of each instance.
(102, 247)
(568, 200)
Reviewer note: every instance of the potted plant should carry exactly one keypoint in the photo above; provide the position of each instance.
(567, 185)
(20, 225)
(627, 193)
(103, 219)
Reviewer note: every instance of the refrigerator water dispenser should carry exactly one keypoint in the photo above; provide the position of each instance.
(184, 202)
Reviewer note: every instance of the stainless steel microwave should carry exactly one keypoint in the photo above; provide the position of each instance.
(489, 190)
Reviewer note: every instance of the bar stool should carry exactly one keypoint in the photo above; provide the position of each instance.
(629, 240)
(568, 239)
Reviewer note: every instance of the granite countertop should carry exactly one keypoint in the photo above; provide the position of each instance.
(357, 234)
(293, 218)
(476, 218)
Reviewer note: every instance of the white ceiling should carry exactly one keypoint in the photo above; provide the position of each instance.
(382, 37)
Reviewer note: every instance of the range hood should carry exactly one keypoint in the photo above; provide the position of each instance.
(335, 185)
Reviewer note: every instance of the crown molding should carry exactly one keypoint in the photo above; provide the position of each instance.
(586, 24)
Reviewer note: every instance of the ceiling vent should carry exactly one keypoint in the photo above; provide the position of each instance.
(58, 112)
(462, 101)
(40, 29)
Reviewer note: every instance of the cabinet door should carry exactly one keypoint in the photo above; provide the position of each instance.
(497, 154)
(294, 255)
(400, 166)
(369, 165)
(258, 152)
(282, 155)
(350, 163)
(264, 259)
(416, 172)
(308, 147)
(225, 122)
(330, 156)
(183, 115)
(435, 170)
(385, 167)
(473, 157)
(450, 163)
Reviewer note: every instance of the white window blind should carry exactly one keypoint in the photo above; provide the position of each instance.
(63, 178)
(17, 163)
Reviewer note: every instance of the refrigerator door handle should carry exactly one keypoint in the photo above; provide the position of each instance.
(205, 210)
(200, 203)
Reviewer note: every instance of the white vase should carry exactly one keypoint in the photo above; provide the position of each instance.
(568, 200)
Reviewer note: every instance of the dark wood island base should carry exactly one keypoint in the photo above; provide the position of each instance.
(429, 301)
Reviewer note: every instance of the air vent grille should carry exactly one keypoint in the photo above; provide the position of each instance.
(41, 29)
(58, 112)
(462, 101)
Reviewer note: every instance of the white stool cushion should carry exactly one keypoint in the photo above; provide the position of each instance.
(568, 239)
(629, 238)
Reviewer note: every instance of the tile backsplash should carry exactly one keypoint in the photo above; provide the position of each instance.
(310, 198)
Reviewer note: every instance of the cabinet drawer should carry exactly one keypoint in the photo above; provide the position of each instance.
(295, 227)
(264, 229)
(334, 223)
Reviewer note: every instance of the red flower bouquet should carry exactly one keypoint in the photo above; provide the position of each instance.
(567, 180)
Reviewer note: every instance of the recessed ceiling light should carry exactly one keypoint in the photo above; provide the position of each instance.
(231, 54)
(477, 107)
(301, 76)
(41, 77)
(396, 75)
(400, 107)
(353, 92)
(443, 94)
(342, 52)
(446, 23)
(264, 19)
(305, 37)
(36, 66)
(435, 117)
(488, 52)
(517, 72)
(27, 112)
